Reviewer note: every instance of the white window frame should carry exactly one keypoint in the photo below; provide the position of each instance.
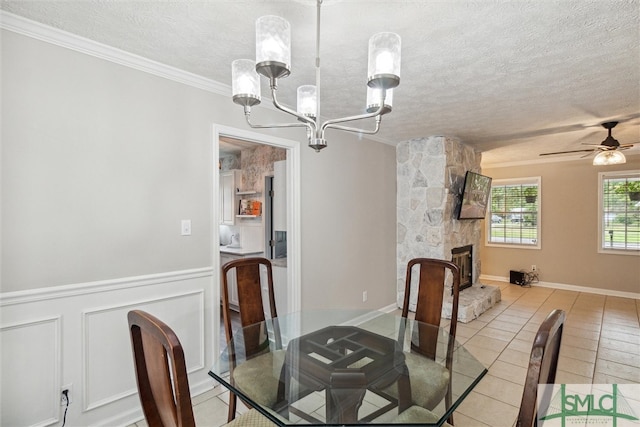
(601, 177)
(516, 181)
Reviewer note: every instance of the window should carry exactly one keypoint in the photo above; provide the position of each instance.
(514, 216)
(619, 201)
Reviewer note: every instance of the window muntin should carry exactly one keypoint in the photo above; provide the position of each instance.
(514, 214)
(619, 218)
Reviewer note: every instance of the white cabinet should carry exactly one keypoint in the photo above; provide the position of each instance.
(229, 184)
(280, 196)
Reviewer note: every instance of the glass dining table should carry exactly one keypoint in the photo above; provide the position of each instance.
(347, 367)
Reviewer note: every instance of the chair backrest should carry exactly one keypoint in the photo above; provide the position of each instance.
(158, 358)
(250, 302)
(542, 366)
(431, 288)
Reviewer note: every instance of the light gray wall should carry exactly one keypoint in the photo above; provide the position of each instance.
(569, 230)
(348, 224)
(101, 162)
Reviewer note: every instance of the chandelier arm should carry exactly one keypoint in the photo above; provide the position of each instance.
(247, 114)
(307, 121)
(350, 129)
(352, 118)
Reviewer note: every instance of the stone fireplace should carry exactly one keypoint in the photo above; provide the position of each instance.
(430, 177)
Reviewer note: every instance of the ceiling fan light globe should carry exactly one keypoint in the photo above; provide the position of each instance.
(611, 157)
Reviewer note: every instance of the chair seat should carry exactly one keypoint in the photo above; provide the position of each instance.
(250, 377)
(429, 381)
(418, 415)
(251, 418)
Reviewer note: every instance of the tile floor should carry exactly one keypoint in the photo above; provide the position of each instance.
(601, 344)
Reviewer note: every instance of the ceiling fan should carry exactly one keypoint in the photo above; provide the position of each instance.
(608, 150)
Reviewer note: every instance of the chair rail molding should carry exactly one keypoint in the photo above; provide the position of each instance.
(67, 291)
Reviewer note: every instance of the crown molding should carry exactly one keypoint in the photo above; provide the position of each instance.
(36, 30)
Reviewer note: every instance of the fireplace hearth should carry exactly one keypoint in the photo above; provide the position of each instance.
(463, 258)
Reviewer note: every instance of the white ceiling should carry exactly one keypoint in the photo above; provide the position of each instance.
(512, 78)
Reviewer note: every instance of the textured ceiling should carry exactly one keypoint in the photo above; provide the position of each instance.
(513, 78)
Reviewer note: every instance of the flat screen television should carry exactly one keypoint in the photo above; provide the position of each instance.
(475, 196)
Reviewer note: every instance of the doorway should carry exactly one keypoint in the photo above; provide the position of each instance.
(292, 283)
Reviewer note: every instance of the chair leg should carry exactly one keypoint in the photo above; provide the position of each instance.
(232, 406)
(448, 400)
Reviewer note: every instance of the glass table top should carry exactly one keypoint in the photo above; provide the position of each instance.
(347, 367)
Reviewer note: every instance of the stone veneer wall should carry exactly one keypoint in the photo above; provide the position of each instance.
(430, 177)
(255, 163)
(229, 161)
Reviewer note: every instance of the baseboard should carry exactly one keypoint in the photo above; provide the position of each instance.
(389, 308)
(203, 386)
(575, 288)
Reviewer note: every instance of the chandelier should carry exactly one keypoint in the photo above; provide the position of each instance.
(273, 61)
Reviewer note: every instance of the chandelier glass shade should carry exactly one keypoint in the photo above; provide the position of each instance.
(609, 157)
(307, 101)
(273, 61)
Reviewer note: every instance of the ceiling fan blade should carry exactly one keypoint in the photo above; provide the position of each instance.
(567, 152)
(629, 145)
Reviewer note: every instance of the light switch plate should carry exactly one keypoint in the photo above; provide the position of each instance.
(185, 227)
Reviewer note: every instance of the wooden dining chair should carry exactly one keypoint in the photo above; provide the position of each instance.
(430, 381)
(431, 289)
(543, 363)
(161, 375)
(159, 358)
(249, 375)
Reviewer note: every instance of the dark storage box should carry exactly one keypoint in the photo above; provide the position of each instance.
(516, 277)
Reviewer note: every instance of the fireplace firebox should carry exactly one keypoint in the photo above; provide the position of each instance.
(463, 258)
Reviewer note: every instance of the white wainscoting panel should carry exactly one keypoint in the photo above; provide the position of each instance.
(30, 372)
(78, 335)
(109, 373)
